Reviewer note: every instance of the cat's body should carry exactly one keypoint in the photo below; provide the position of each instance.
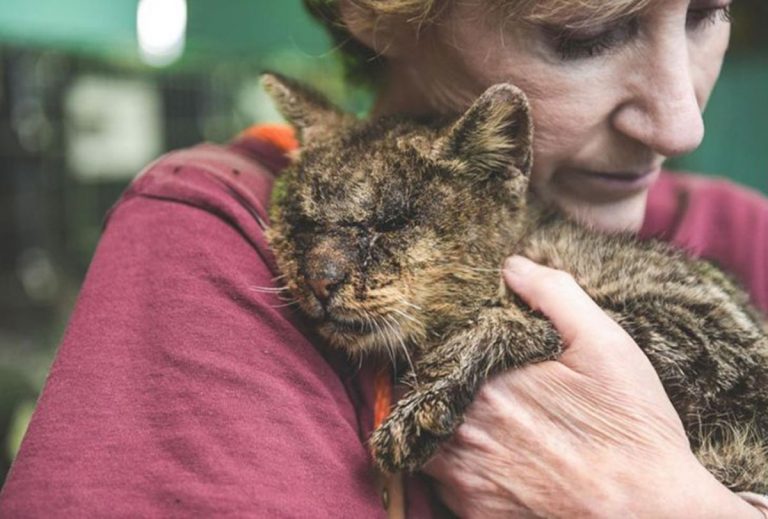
(391, 235)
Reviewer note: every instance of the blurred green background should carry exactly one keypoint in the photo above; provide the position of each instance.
(82, 108)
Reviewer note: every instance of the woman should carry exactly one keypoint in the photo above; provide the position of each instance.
(182, 389)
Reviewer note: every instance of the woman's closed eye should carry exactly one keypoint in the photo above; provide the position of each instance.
(703, 16)
(574, 44)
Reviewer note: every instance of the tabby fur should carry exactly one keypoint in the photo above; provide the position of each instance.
(391, 233)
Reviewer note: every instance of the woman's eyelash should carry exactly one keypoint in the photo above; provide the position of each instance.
(574, 48)
(571, 46)
(708, 16)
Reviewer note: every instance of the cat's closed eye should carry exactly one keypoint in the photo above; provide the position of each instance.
(302, 224)
(394, 223)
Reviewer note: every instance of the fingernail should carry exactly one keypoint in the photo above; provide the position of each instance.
(517, 266)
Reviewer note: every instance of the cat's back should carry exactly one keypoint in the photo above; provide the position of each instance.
(620, 271)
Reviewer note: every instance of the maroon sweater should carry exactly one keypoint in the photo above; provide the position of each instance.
(181, 389)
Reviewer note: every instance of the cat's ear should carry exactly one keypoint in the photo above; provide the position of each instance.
(309, 112)
(493, 137)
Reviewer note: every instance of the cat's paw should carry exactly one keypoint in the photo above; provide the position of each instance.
(412, 432)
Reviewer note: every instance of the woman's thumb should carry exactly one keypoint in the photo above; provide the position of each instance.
(592, 340)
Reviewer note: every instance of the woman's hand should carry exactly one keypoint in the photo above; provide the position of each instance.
(590, 435)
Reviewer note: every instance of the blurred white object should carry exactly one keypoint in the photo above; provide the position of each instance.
(161, 26)
(114, 127)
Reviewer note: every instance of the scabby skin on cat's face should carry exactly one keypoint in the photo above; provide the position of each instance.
(374, 226)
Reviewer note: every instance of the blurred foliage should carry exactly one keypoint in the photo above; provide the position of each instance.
(15, 392)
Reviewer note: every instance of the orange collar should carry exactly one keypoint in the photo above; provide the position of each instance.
(282, 136)
(382, 395)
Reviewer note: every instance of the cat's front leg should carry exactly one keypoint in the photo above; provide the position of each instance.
(447, 378)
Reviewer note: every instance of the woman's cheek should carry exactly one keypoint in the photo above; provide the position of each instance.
(707, 62)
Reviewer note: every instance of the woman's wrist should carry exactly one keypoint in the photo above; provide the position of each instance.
(702, 496)
(729, 504)
(758, 501)
(681, 487)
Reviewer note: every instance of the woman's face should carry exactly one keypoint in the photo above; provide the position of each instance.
(610, 102)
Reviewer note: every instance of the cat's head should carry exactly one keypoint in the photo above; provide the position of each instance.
(385, 229)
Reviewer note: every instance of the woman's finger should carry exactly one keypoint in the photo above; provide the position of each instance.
(581, 323)
(555, 294)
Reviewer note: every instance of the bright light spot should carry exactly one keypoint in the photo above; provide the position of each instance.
(161, 26)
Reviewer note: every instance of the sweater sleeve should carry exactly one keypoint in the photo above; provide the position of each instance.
(181, 388)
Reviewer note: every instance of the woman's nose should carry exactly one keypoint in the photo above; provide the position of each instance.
(663, 110)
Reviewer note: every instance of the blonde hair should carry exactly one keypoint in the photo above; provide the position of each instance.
(363, 65)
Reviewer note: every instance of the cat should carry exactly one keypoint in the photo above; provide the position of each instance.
(391, 233)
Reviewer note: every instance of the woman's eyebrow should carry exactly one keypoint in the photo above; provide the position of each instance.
(591, 14)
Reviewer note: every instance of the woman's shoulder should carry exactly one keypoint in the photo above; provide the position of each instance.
(181, 361)
(189, 232)
(232, 181)
(204, 187)
(716, 219)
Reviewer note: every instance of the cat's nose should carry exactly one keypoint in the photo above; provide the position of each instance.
(323, 288)
(326, 268)
(325, 280)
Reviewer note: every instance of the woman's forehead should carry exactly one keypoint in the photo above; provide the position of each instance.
(573, 13)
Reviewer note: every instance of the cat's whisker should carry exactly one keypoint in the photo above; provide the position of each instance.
(409, 317)
(269, 290)
(384, 333)
(290, 303)
(389, 345)
(371, 323)
(421, 327)
(408, 303)
(399, 337)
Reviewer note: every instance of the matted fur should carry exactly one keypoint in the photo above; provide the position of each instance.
(391, 234)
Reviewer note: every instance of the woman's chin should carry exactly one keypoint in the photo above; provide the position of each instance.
(624, 215)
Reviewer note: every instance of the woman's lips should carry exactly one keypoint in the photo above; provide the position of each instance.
(598, 186)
